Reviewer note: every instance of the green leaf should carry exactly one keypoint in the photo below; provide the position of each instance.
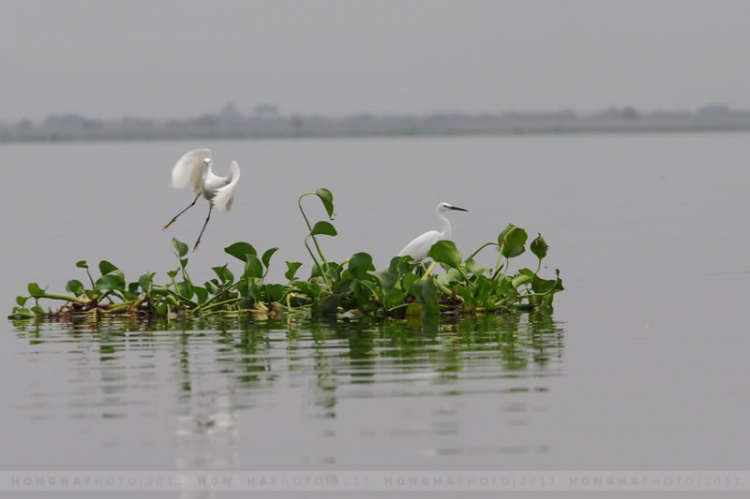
(323, 229)
(145, 282)
(292, 269)
(211, 287)
(75, 287)
(267, 256)
(184, 289)
(395, 297)
(427, 295)
(275, 292)
(360, 264)
(330, 304)
(224, 274)
(253, 267)
(387, 280)
(180, 247)
(327, 198)
(475, 268)
(21, 300)
(241, 250)
(408, 282)
(38, 310)
(399, 266)
(201, 293)
(539, 247)
(466, 294)
(512, 241)
(183, 262)
(35, 290)
(82, 264)
(450, 278)
(521, 280)
(173, 273)
(309, 288)
(106, 267)
(446, 252)
(111, 282)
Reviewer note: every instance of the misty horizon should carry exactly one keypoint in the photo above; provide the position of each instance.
(176, 59)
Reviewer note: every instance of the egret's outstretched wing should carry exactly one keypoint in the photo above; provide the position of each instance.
(188, 171)
(225, 195)
(419, 247)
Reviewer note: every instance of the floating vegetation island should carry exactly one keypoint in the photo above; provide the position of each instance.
(350, 289)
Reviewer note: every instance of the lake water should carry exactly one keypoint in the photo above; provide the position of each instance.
(642, 366)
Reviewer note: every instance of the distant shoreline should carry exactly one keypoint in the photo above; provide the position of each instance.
(395, 133)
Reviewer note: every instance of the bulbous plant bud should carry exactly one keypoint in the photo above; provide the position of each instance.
(539, 247)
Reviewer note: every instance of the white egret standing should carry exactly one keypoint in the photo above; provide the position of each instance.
(194, 170)
(419, 247)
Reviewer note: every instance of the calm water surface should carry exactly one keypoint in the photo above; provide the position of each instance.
(643, 364)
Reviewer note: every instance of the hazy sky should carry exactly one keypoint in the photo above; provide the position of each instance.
(163, 58)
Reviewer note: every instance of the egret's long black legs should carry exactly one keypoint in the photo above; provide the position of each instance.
(204, 228)
(183, 211)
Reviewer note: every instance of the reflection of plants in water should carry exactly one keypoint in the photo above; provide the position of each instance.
(256, 354)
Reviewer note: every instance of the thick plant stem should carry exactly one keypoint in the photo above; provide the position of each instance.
(309, 227)
(54, 296)
(320, 269)
(499, 258)
(218, 304)
(218, 295)
(480, 249)
(118, 308)
(429, 271)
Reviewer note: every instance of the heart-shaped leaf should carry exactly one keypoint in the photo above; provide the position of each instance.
(267, 256)
(145, 282)
(360, 264)
(323, 229)
(180, 247)
(253, 267)
(106, 267)
(111, 282)
(327, 198)
(35, 290)
(292, 269)
(241, 250)
(539, 247)
(446, 252)
(387, 280)
(512, 241)
(75, 287)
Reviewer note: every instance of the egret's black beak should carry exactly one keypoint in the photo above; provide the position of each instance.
(458, 209)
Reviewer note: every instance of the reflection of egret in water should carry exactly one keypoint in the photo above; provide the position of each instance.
(315, 391)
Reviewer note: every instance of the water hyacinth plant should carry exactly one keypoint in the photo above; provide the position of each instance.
(350, 289)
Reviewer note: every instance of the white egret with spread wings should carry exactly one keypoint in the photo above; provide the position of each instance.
(193, 170)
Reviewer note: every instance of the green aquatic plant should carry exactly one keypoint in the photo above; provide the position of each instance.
(350, 289)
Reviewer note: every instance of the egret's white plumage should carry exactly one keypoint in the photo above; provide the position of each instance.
(188, 171)
(194, 170)
(224, 195)
(419, 247)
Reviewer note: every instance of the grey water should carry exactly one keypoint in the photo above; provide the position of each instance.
(643, 365)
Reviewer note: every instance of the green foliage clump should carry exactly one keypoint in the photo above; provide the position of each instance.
(352, 288)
